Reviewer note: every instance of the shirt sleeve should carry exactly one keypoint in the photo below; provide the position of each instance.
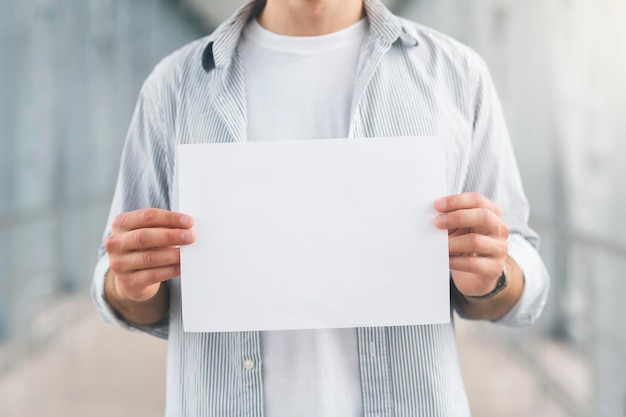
(493, 172)
(143, 182)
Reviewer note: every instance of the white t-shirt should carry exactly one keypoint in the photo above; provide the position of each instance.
(302, 88)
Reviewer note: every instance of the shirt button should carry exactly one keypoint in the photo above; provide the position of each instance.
(248, 364)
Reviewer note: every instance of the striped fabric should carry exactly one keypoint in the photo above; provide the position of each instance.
(411, 81)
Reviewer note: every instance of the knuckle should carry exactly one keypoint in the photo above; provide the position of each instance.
(149, 258)
(147, 215)
(485, 215)
(110, 244)
(115, 263)
(140, 238)
(475, 240)
(118, 221)
(477, 199)
(505, 230)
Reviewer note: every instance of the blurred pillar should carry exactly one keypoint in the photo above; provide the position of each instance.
(9, 46)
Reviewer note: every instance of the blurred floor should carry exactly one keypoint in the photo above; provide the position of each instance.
(93, 369)
(499, 383)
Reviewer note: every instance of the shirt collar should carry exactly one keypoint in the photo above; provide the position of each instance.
(222, 43)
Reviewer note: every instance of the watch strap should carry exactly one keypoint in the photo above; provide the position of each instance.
(500, 285)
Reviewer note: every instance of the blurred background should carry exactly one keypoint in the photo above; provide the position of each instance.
(70, 71)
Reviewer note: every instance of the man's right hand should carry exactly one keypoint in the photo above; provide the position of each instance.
(143, 252)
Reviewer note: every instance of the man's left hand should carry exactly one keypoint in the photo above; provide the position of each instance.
(477, 241)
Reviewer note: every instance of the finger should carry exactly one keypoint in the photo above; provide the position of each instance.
(151, 217)
(482, 220)
(466, 201)
(479, 265)
(151, 239)
(477, 243)
(135, 283)
(145, 259)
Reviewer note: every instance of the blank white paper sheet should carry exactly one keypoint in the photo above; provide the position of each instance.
(328, 233)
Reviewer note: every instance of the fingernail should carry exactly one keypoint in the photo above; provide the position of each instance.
(187, 236)
(441, 204)
(185, 221)
(441, 221)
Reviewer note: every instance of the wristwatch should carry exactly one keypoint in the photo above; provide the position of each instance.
(500, 285)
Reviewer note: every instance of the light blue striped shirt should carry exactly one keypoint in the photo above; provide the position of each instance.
(411, 81)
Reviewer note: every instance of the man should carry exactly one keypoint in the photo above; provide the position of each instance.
(306, 69)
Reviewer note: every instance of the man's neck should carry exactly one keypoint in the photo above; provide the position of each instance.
(310, 17)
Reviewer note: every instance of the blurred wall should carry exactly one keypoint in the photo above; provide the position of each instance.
(70, 74)
(559, 67)
(71, 70)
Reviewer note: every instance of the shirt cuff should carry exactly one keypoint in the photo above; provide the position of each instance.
(109, 315)
(536, 284)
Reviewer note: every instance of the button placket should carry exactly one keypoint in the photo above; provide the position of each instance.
(250, 363)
